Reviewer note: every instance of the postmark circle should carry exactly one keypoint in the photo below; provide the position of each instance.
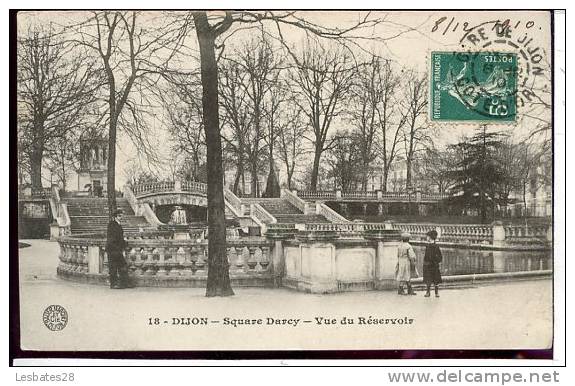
(55, 317)
(494, 98)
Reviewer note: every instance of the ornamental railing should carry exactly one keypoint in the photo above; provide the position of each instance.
(374, 195)
(359, 194)
(194, 186)
(317, 194)
(159, 258)
(513, 235)
(528, 233)
(466, 233)
(153, 187)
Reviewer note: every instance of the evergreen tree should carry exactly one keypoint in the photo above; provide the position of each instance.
(478, 173)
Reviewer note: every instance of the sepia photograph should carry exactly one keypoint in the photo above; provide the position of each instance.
(228, 183)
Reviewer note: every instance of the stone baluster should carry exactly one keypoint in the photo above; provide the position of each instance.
(201, 262)
(172, 265)
(138, 260)
(264, 261)
(160, 261)
(252, 260)
(149, 263)
(184, 258)
(104, 259)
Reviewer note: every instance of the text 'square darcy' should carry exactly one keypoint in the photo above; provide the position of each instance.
(473, 86)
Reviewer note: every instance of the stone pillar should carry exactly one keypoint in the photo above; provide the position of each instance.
(318, 264)
(278, 258)
(343, 208)
(422, 209)
(94, 263)
(364, 209)
(380, 208)
(418, 195)
(379, 194)
(550, 233)
(54, 231)
(338, 194)
(498, 234)
(498, 261)
(178, 186)
(385, 257)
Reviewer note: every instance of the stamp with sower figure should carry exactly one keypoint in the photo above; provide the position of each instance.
(473, 86)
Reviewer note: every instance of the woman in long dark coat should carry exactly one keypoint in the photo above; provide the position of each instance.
(431, 261)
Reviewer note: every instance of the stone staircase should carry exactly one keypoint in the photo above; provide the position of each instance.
(90, 215)
(287, 213)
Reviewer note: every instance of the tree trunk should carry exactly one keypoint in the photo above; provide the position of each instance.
(218, 269)
(36, 168)
(408, 176)
(36, 156)
(384, 182)
(236, 184)
(289, 177)
(254, 183)
(112, 133)
(315, 169)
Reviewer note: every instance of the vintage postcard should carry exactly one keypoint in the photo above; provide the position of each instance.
(292, 181)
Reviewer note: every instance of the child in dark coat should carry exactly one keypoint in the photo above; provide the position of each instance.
(431, 261)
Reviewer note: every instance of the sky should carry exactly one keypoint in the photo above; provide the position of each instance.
(405, 38)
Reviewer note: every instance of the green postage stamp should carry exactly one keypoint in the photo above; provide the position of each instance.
(473, 86)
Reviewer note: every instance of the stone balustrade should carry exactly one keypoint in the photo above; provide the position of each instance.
(261, 216)
(169, 186)
(330, 214)
(154, 259)
(234, 202)
(317, 194)
(194, 186)
(375, 195)
(324, 257)
(359, 194)
(448, 233)
(41, 193)
(153, 187)
(61, 225)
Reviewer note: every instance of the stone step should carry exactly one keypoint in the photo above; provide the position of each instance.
(300, 219)
(280, 206)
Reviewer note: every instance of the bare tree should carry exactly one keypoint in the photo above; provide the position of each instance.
(55, 89)
(236, 119)
(391, 119)
(185, 124)
(322, 77)
(415, 133)
(273, 113)
(344, 160)
(207, 33)
(290, 139)
(257, 59)
(434, 167)
(63, 157)
(367, 95)
(133, 59)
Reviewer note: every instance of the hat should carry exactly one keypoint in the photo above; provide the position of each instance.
(432, 234)
(117, 212)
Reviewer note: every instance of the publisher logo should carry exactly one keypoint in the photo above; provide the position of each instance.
(55, 317)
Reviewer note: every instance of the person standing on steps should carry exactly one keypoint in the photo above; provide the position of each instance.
(405, 259)
(115, 245)
(431, 261)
